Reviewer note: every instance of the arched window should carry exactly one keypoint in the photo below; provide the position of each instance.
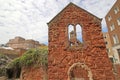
(75, 35)
(70, 29)
(79, 32)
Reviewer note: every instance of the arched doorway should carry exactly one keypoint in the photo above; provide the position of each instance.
(79, 71)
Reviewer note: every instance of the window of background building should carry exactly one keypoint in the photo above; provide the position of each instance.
(109, 18)
(115, 39)
(118, 21)
(108, 50)
(116, 10)
(112, 27)
(106, 42)
(105, 36)
(118, 50)
(111, 59)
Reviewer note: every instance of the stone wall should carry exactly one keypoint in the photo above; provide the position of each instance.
(33, 73)
(92, 54)
(10, 53)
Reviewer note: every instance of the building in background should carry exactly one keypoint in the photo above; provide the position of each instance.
(108, 46)
(21, 43)
(113, 24)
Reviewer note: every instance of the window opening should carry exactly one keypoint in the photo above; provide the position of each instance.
(112, 27)
(109, 18)
(118, 21)
(71, 34)
(116, 10)
(115, 39)
(75, 35)
(79, 32)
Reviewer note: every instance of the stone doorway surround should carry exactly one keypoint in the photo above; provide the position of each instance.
(83, 66)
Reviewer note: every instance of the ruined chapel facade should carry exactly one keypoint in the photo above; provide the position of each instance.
(70, 59)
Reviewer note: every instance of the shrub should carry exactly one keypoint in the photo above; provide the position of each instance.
(34, 57)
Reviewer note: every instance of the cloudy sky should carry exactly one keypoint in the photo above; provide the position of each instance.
(28, 18)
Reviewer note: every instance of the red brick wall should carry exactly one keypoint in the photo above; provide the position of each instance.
(33, 73)
(93, 54)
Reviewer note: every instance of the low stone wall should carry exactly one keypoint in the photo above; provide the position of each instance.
(33, 73)
(10, 53)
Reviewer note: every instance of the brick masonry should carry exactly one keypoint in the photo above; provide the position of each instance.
(33, 73)
(90, 62)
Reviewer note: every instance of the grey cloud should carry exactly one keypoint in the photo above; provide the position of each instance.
(28, 18)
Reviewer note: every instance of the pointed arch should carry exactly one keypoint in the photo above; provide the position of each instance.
(79, 32)
(70, 29)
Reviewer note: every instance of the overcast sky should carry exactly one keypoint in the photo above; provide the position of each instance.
(28, 18)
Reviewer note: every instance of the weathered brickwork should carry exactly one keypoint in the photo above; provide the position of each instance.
(33, 73)
(90, 62)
